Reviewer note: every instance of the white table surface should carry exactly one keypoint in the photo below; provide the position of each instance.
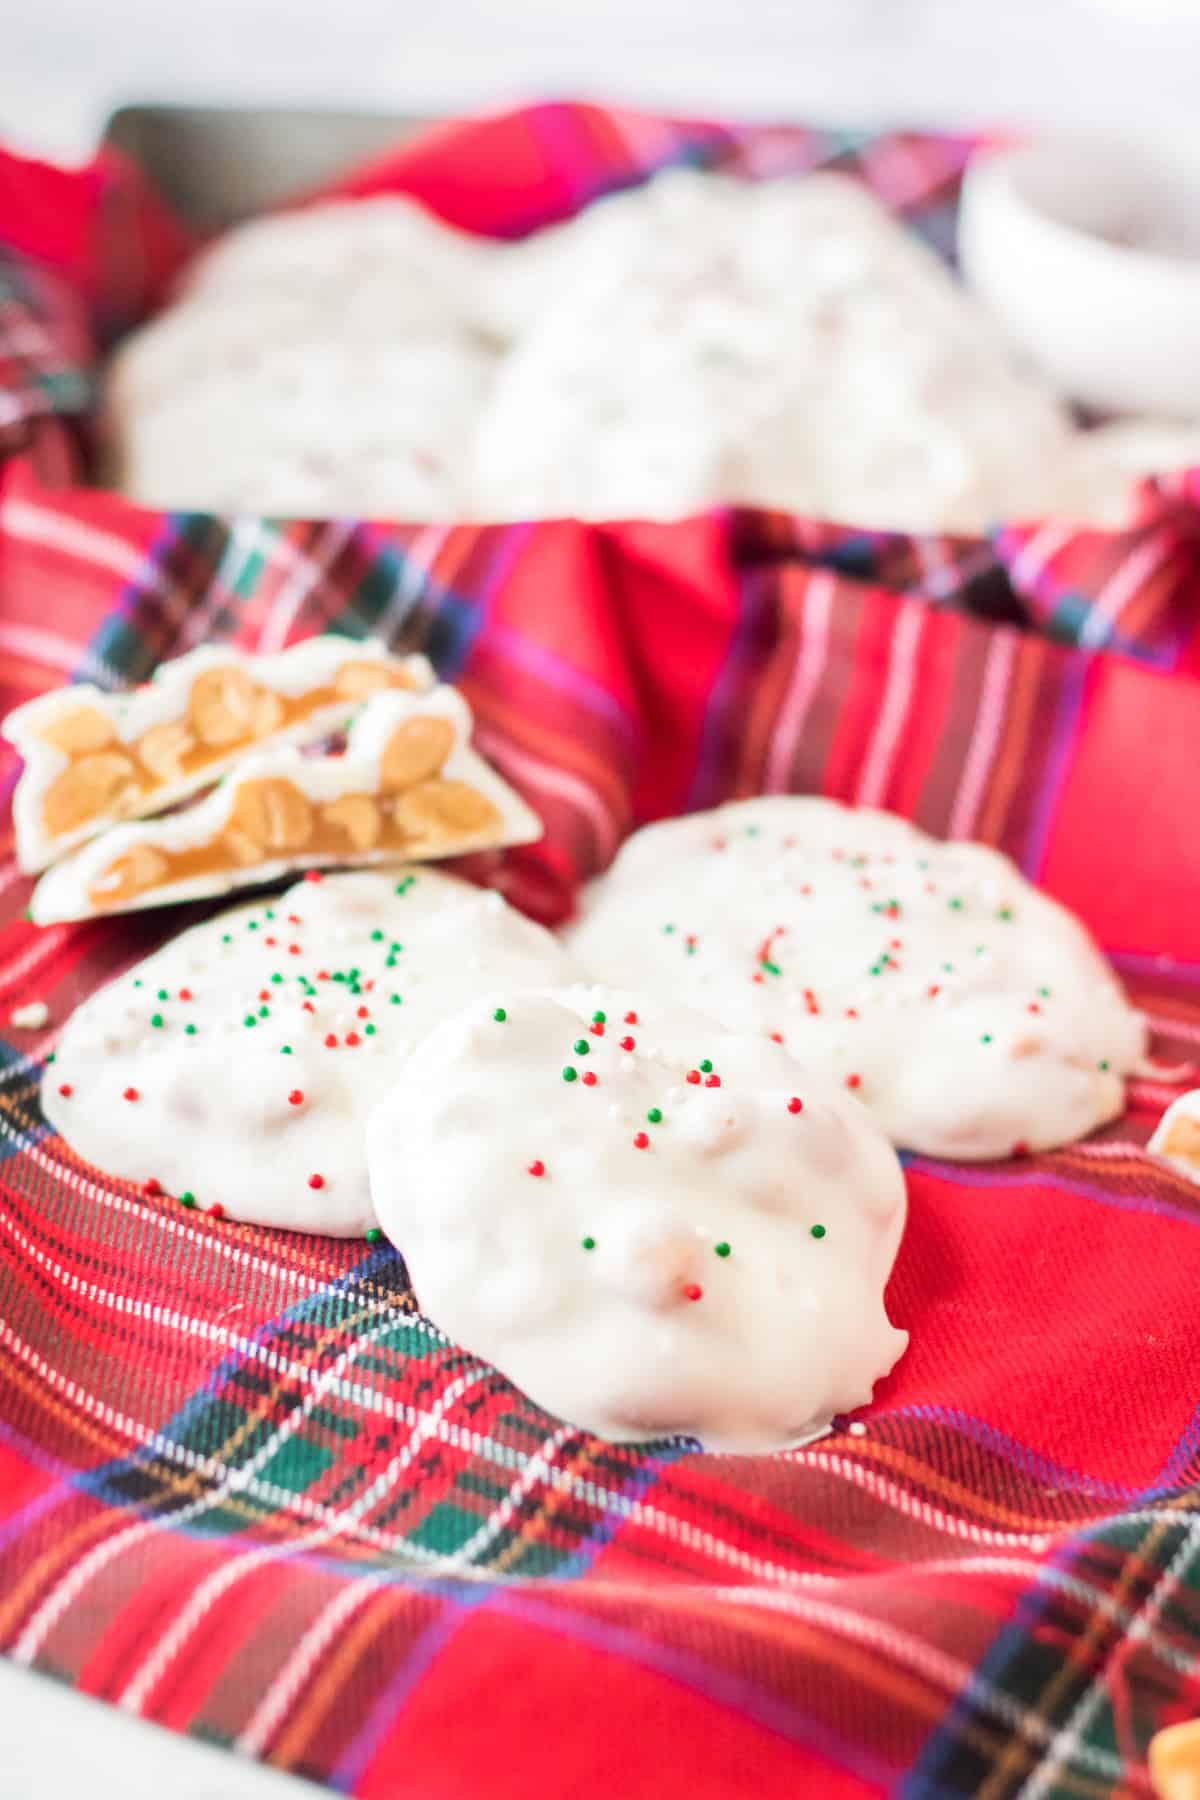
(64, 64)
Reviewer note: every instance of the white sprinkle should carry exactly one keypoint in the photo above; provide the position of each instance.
(857, 1429)
(31, 1017)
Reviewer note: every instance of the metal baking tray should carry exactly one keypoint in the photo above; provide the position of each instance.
(218, 164)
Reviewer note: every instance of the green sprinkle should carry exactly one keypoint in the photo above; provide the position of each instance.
(252, 925)
(706, 1067)
(655, 1115)
(1004, 912)
(278, 978)
(53, 1057)
(770, 967)
(373, 1234)
(163, 994)
(187, 1198)
(948, 968)
(1044, 992)
(285, 1049)
(599, 1018)
(818, 1231)
(499, 1015)
(225, 939)
(589, 1243)
(669, 929)
(189, 1031)
(986, 1038)
(954, 905)
(721, 1249)
(377, 937)
(137, 982)
(268, 914)
(581, 1046)
(264, 1012)
(368, 1030)
(156, 1019)
(249, 1019)
(395, 999)
(569, 1074)
(1103, 1065)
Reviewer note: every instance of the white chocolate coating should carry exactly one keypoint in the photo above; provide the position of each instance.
(972, 1014)
(65, 891)
(1177, 1136)
(212, 1114)
(313, 664)
(560, 1230)
(694, 341)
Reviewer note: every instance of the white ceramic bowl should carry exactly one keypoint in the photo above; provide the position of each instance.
(1089, 256)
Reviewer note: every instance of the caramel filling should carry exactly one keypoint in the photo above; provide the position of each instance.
(226, 712)
(415, 814)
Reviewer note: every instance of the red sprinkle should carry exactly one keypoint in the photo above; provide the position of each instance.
(776, 1037)
(693, 1076)
(364, 1012)
(589, 1079)
(216, 1210)
(597, 1028)
(810, 1001)
(631, 1018)
(272, 943)
(1020, 1148)
(322, 974)
(66, 1090)
(934, 991)
(692, 1292)
(852, 1012)
(760, 979)
(713, 1081)
(1033, 1007)
(264, 993)
(294, 919)
(295, 1098)
(316, 1181)
(642, 1141)
(293, 949)
(628, 1043)
(150, 1186)
(353, 1038)
(308, 1006)
(331, 1042)
(853, 1081)
(131, 1093)
(795, 1104)
(538, 1167)
(313, 875)
(185, 993)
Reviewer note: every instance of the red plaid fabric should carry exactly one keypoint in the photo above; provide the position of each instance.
(245, 1490)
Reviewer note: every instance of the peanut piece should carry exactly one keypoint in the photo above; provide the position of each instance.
(87, 790)
(221, 706)
(415, 751)
(162, 750)
(437, 807)
(1183, 1139)
(84, 729)
(131, 874)
(272, 813)
(358, 816)
(355, 680)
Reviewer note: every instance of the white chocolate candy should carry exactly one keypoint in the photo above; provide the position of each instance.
(93, 757)
(695, 340)
(972, 1014)
(407, 787)
(1177, 1136)
(239, 1063)
(686, 1236)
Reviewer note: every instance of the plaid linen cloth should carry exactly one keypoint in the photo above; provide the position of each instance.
(246, 1492)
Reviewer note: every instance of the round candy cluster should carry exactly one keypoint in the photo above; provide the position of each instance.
(236, 1066)
(649, 1225)
(973, 1015)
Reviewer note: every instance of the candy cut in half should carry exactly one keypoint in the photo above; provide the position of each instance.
(407, 788)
